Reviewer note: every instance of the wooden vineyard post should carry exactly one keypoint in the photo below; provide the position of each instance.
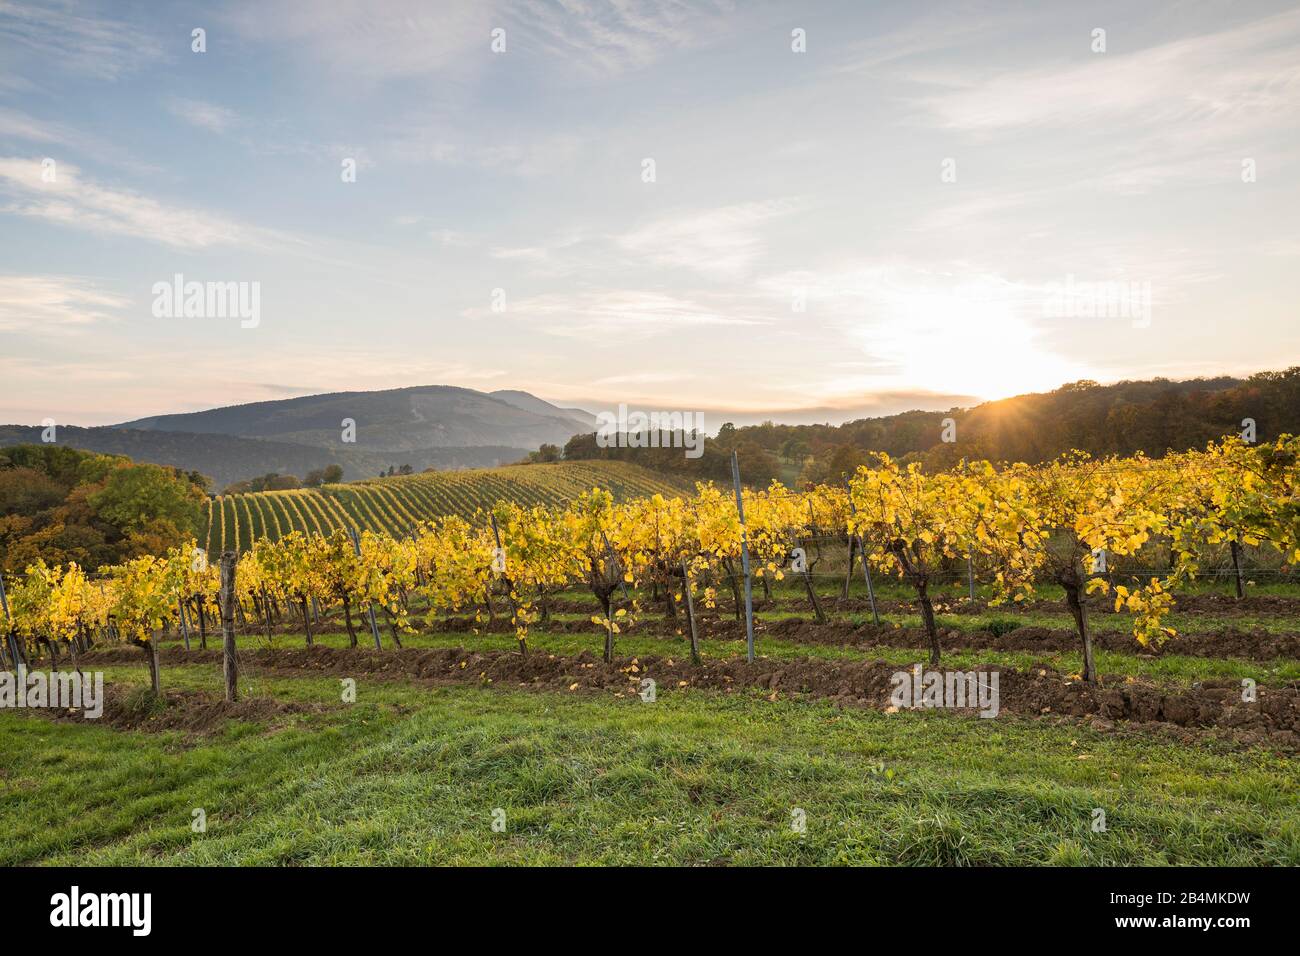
(266, 613)
(807, 569)
(230, 663)
(306, 618)
(11, 638)
(7, 650)
(510, 587)
(848, 572)
(618, 576)
(669, 603)
(690, 614)
(151, 650)
(1236, 567)
(74, 651)
(871, 591)
(744, 561)
(374, 626)
(185, 626)
(107, 632)
(970, 574)
(618, 568)
(866, 568)
(1080, 612)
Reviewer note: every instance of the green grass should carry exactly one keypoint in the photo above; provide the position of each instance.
(411, 775)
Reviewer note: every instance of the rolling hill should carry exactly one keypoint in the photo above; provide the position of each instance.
(436, 426)
(399, 419)
(227, 459)
(397, 504)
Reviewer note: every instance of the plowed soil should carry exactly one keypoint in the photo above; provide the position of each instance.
(1251, 645)
(195, 713)
(1215, 707)
(1218, 604)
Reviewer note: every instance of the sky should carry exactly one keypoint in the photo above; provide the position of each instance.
(814, 211)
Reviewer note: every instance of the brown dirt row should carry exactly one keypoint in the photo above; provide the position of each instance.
(1220, 604)
(1251, 645)
(1257, 644)
(1213, 707)
(1223, 605)
(194, 712)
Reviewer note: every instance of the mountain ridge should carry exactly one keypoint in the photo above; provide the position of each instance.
(424, 426)
(411, 417)
(227, 459)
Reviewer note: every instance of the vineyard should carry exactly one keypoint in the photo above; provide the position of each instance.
(1057, 524)
(395, 505)
(1124, 604)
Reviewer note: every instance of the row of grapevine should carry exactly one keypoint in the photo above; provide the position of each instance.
(396, 505)
(1029, 524)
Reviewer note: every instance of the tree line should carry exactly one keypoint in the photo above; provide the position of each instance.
(1126, 418)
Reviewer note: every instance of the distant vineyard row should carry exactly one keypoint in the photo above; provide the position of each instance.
(395, 505)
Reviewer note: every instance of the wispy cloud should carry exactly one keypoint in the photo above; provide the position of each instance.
(54, 304)
(448, 144)
(624, 313)
(719, 243)
(371, 43)
(1241, 76)
(641, 378)
(58, 31)
(722, 243)
(412, 38)
(558, 255)
(202, 114)
(58, 137)
(15, 124)
(609, 38)
(75, 201)
(935, 31)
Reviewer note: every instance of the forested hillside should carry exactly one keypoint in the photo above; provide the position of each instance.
(1128, 417)
(59, 504)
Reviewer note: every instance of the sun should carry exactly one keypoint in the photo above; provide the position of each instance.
(967, 343)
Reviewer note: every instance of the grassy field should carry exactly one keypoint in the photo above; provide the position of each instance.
(412, 775)
(413, 770)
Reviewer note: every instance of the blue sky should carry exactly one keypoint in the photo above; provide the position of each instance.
(780, 178)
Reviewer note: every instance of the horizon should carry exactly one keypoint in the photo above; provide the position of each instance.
(719, 416)
(697, 207)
